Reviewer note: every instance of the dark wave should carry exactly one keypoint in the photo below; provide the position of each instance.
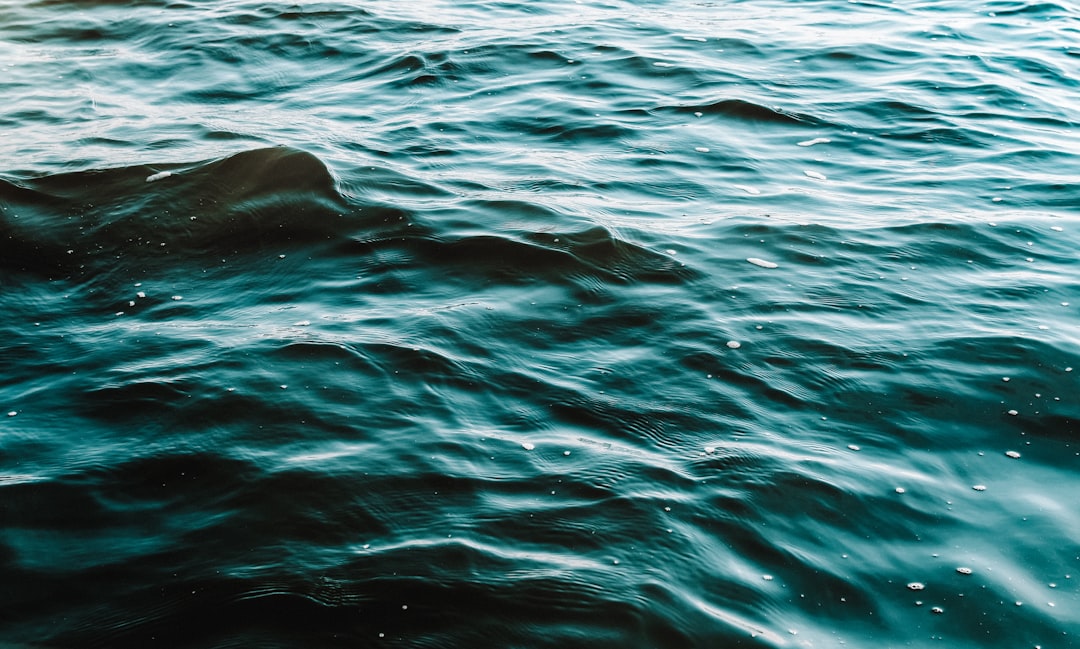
(256, 200)
(742, 109)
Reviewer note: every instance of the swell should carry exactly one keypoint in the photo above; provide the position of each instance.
(255, 200)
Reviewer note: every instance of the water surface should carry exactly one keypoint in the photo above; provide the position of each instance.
(674, 324)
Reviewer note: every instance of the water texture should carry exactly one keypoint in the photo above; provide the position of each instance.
(548, 324)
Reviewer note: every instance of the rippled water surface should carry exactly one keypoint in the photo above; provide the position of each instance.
(547, 324)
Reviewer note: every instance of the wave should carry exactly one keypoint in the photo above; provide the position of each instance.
(255, 200)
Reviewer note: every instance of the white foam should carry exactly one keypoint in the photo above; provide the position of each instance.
(817, 140)
(528, 446)
(761, 262)
(158, 176)
(701, 149)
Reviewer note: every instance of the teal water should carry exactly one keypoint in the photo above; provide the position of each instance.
(590, 324)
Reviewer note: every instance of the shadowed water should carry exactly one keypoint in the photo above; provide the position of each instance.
(539, 325)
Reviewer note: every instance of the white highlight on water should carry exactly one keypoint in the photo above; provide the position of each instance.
(158, 176)
(817, 140)
(816, 175)
(761, 262)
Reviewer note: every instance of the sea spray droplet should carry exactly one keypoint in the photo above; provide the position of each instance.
(1013, 454)
(12, 413)
(761, 262)
(916, 585)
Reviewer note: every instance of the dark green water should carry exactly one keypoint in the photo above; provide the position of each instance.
(547, 324)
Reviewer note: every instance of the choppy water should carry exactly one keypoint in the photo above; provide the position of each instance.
(546, 324)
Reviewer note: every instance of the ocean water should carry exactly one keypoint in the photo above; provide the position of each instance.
(552, 324)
